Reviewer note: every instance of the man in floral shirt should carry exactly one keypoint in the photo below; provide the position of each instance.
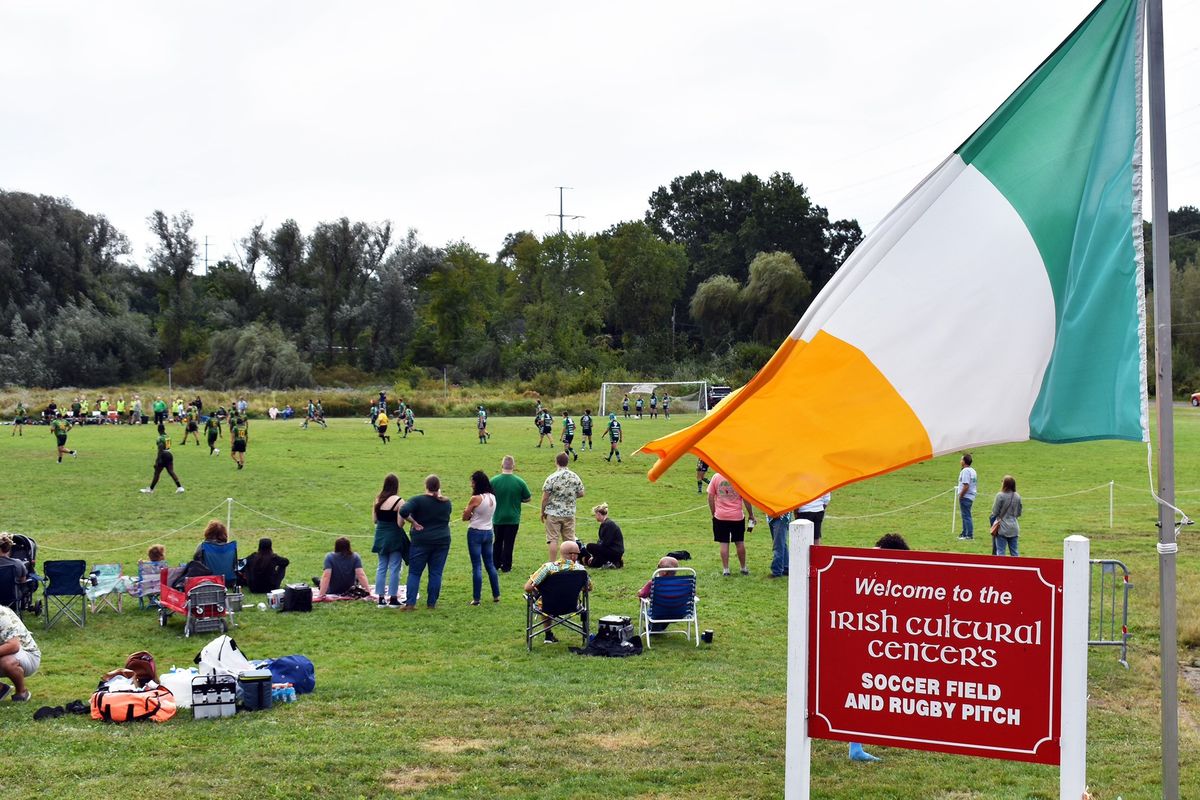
(19, 654)
(559, 493)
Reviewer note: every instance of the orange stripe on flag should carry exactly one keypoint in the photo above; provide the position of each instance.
(818, 416)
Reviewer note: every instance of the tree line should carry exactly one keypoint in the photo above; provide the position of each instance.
(705, 284)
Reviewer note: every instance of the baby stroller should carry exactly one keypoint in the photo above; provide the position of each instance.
(24, 549)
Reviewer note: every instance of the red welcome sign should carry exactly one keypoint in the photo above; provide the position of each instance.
(936, 651)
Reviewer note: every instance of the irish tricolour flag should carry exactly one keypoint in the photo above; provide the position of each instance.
(1002, 300)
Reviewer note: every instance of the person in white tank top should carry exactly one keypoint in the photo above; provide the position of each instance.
(480, 537)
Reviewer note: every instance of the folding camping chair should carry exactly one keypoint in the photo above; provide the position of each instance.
(561, 600)
(103, 587)
(146, 587)
(64, 583)
(672, 599)
(222, 559)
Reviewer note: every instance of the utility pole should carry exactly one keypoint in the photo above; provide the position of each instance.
(562, 216)
(206, 255)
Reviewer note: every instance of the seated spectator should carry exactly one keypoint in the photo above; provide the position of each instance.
(288, 412)
(157, 552)
(665, 563)
(264, 570)
(214, 532)
(6, 545)
(568, 560)
(273, 412)
(19, 655)
(609, 552)
(343, 571)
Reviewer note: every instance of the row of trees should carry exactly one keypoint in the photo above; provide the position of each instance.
(706, 284)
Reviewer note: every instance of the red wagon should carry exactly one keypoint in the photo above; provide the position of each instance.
(203, 601)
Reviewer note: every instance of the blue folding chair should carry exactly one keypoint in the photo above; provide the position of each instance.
(221, 559)
(672, 599)
(64, 584)
(146, 587)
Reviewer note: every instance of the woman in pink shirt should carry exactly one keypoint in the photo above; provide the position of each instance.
(729, 521)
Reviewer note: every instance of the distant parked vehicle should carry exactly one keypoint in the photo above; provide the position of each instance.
(1196, 398)
(718, 393)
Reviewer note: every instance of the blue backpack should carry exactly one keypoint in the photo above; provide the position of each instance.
(296, 670)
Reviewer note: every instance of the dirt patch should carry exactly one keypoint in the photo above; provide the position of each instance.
(447, 744)
(411, 781)
(616, 742)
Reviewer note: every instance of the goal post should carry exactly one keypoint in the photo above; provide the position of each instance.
(686, 397)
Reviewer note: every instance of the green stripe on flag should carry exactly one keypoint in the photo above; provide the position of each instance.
(1061, 150)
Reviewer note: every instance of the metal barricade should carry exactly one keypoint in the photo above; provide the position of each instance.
(1103, 627)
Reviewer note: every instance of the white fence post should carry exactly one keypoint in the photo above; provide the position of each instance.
(1110, 503)
(229, 514)
(798, 750)
(1072, 776)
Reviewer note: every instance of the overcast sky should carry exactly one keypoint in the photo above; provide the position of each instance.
(459, 119)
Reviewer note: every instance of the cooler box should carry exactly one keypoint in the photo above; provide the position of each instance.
(214, 696)
(256, 689)
(616, 627)
(275, 599)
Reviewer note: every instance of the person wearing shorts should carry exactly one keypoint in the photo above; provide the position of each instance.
(19, 655)
(701, 475)
(212, 432)
(585, 427)
(381, 426)
(164, 460)
(59, 427)
(559, 493)
(19, 420)
(239, 434)
(728, 520)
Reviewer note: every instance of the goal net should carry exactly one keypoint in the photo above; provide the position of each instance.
(685, 397)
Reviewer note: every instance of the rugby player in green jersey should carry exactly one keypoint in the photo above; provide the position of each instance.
(614, 436)
(165, 459)
(59, 427)
(239, 434)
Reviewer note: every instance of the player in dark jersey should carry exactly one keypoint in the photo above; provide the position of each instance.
(568, 435)
(59, 427)
(638, 405)
(164, 460)
(19, 419)
(481, 425)
(310, 414)
(212, 432)
(614, 438)
(653, 405)
(319, 414)
(625, 406)
(585, 429)
(701, 475)
(666, 406)
(545, 426)
(239, 435)
(191, 419)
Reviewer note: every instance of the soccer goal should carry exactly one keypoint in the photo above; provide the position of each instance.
(686, 397)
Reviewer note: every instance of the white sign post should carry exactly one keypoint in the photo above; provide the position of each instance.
(798, 751)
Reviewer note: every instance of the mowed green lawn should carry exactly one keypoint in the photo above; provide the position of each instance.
(449, 704)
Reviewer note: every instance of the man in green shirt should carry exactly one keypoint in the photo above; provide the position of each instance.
(160, 410)
(59, 427)
(511, 491)
(239, 434)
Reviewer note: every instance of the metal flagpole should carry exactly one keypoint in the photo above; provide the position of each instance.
(1167, 545)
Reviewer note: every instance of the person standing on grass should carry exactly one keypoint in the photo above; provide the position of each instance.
(614, 438)
(59, 427)
(390, 541)
(429, 518)
(212, 432)
(559, 493)
(814, 512)
(239, 437)
(625, 406)
(666, 406)
(585, 427)
(728, 520)
(968, 482)
(164, 460)
(778, 525)
(1006, 508)
(568, 435)
(639, 404)
(160, 410)
(19, 420)
(481, 425)
(381, 426)
(19, 655)
(544, 422)
(193, 427)
(653, 405)
(479, 513)
(511, 491)
(701, 475)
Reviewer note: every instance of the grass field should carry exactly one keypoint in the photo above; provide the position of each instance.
(449, 704)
